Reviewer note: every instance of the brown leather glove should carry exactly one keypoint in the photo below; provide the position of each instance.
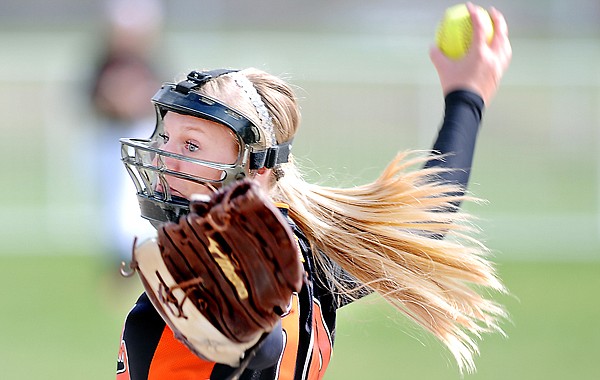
(232, 261)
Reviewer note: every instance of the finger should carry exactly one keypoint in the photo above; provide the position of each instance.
(499, 21)
(500, 29)
(477, 15)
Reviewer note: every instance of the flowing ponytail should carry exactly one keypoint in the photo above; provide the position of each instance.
(403, 237)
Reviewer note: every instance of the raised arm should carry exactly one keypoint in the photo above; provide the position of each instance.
(457, 136)
(468, 84)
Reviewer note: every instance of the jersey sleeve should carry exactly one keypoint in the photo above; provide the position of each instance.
(454, 148)
(457, 136)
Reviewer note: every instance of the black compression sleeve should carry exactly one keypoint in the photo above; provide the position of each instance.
(270, 349)
(457, 136)
(263, 356)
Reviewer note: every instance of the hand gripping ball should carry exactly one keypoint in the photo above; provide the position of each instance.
(455, 31)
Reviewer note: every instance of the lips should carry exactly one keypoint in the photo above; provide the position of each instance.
(172, 191)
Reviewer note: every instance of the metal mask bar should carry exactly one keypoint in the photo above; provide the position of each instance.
(146, 166)
(140, 155)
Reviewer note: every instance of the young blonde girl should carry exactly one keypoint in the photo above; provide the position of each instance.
(402, 236)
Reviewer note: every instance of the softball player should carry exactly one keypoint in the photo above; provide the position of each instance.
(371, 238)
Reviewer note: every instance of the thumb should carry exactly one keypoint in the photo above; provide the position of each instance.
(437, 57)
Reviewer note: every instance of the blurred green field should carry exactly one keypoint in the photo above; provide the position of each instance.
(63, 317)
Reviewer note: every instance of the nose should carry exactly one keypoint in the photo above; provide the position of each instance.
(171, 163)
(164, 161)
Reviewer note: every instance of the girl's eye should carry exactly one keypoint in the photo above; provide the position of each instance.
(164, 138)
(191, 146)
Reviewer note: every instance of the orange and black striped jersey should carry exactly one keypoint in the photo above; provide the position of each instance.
(149, 350)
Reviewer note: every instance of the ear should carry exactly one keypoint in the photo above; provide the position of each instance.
(263, 176)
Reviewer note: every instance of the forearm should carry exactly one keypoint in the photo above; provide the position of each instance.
(269, 351)
(264, 355)
(457, 137)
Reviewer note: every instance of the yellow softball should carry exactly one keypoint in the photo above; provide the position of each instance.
(455, 31)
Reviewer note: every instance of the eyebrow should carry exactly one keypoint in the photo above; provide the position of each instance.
(186, 128)
(190, 128)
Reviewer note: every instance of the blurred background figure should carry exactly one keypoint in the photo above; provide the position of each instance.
(121, 87)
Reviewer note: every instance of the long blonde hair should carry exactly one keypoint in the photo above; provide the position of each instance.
(402, 235)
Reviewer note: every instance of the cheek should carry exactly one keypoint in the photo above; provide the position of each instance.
(233, 150)
(195, 188)
(188, 188)
(229, 148)
(202, 172)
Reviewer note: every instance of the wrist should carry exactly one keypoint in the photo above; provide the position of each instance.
(468, 98)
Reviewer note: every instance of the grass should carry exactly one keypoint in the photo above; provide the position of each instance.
(553, 333)
(63, 316)
(64, 313)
